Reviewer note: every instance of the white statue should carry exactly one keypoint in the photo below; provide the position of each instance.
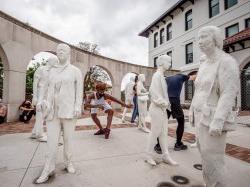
(157, 110)
(216, 88)
(39, 88)
(63, 105)
(142, 95)
(129, 94)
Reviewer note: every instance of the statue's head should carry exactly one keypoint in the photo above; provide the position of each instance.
(63, 52)
(141, 77)
(164, 61)
(210, 37)
(52, 60)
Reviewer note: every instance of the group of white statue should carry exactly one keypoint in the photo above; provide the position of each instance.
(58, 100)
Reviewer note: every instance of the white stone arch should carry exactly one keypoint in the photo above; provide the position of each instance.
(18, 56)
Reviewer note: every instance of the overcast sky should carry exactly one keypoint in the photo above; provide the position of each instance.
(112, 24)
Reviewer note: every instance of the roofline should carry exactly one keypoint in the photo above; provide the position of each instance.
(144, 33)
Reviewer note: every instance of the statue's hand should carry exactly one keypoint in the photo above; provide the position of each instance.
(34, 102)
(39, 107)
(77, 112)
(215, 128)
(191, 117)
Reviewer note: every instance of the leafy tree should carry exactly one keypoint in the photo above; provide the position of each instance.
(87, 46)
(95, 74)
(29, 78)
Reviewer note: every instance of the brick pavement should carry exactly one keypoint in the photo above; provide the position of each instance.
(235, 151)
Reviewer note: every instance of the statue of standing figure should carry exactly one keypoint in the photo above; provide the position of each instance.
(142, 95)
(129, 94)
(39, 92)
(216, 88)
(158, 112)
(63, 105)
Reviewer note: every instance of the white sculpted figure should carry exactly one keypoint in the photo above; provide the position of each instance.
(216, 88)
(157, 110)
(63, 105)
(142, 95)
(39, 92)
(129, 94)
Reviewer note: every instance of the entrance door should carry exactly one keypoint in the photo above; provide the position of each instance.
(245, 88)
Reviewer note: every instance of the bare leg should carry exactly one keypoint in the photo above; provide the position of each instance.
(110, 113)
(96, 120)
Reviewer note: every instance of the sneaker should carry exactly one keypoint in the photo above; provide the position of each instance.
(157, 149)
(181, 146)
(107, 133)
(100, 132)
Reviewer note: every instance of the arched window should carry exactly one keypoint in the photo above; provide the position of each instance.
(245, 88)
(156, 39)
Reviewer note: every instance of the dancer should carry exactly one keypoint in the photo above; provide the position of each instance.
(142, 95)
(129, 93)
(216, 87)
(63, 106)
(157, 111)
(97, 100)
(175, 84)
(135, 101)
(39, 88)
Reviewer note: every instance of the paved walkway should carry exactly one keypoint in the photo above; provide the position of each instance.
(116, 162)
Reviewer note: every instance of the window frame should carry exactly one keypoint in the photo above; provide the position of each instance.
(211, 7)
(156, 39)
(155, 59)
(170, 52)
(187, 54)
(227, 28)
(189, 12)
(226, 4)
(162, 36)
(246, 20)
(168, 34)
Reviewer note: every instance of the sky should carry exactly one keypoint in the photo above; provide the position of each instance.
(112, 24)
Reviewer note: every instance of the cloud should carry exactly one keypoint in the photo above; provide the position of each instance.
(112, 24)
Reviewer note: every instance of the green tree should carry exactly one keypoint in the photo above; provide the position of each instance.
(29, 78)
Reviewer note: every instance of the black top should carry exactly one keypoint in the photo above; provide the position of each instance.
(175, 83)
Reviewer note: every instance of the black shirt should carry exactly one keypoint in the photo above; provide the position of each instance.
(175, 83)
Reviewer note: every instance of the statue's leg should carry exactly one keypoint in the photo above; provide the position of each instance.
(53, 131)
(124, 114)
(164, 142)
(68, 131)
(212, 149)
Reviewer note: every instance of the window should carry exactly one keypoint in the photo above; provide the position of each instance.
(189, 90)
(169, 53)
(188, 20)
(155, 60)
(169, 31)
(247, 23)
(232, 30)
(161, 36)
(156, 39)
(214, 8)
(230, 3)
(189, 53)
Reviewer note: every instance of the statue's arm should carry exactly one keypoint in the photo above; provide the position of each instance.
(140, 90)
(35, 86)
(228, 78)
(79, 90)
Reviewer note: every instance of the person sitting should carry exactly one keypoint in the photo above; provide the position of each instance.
(26, 111)
(98, 100)
(3, 112)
